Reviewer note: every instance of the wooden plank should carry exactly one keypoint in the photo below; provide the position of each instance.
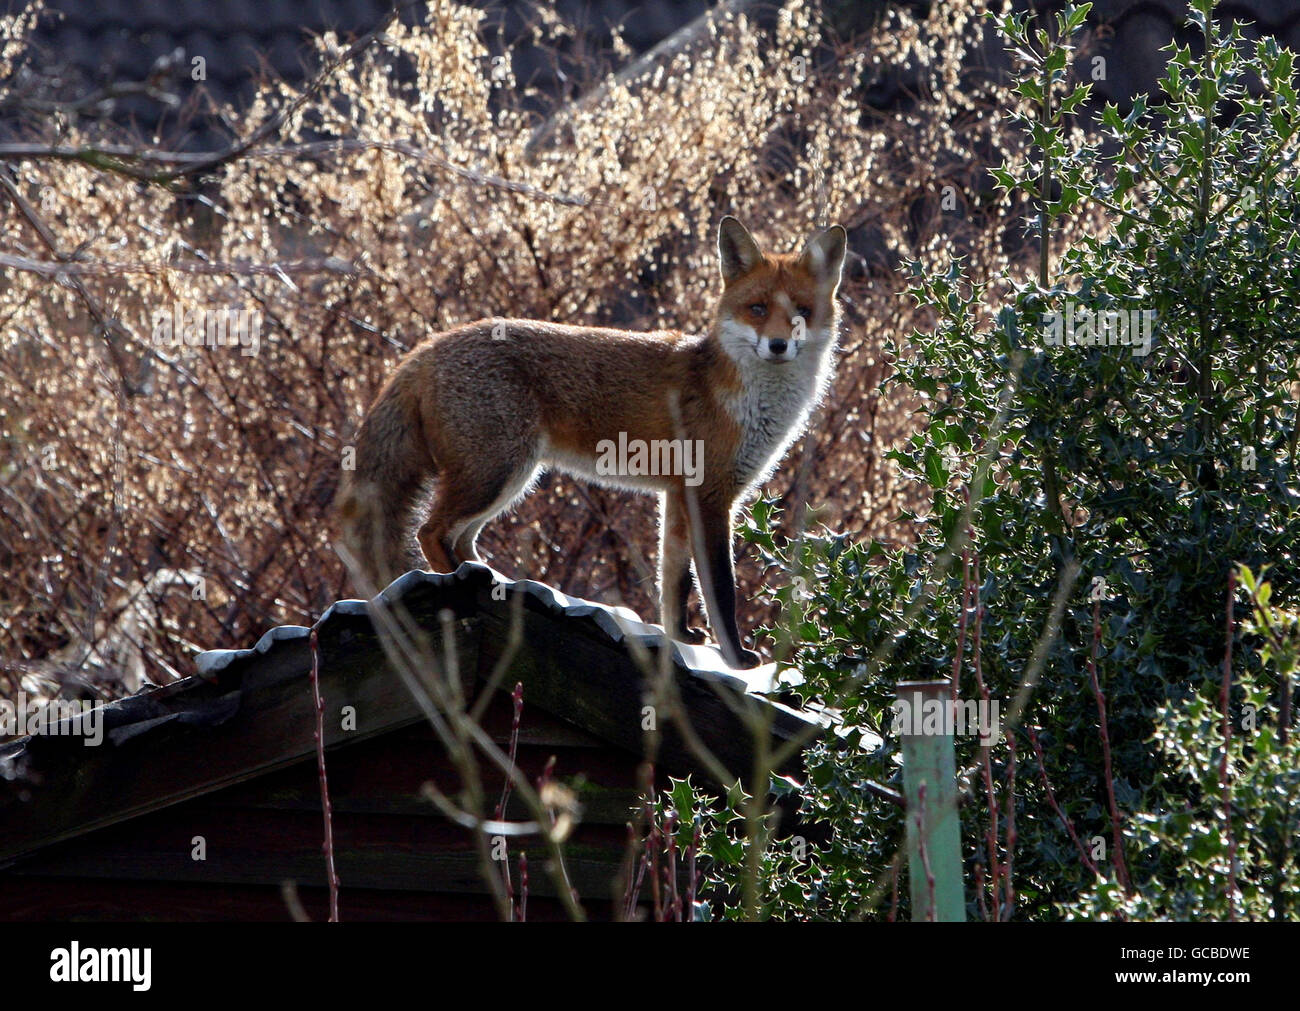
(247, 847)
(385, 775)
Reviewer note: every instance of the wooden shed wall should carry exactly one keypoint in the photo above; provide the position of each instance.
(397, 858)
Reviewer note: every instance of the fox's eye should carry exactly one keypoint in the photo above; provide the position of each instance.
(804, 311)
(758, 309)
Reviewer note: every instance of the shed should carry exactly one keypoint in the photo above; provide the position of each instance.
(203, 799)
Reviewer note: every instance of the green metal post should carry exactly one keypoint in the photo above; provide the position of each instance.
(930, 787)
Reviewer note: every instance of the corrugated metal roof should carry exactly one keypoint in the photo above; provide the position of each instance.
(620, 625)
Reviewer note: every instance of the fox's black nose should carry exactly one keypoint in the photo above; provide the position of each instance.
(777, 345)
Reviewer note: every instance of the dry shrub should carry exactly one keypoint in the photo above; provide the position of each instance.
(159, 499)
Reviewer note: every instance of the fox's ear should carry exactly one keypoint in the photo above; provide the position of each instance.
(823, 256)
(738, 253)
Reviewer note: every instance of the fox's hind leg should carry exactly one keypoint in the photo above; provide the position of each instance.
(466, 499)
(514, 489)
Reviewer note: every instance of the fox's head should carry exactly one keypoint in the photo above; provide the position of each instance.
(777, 307)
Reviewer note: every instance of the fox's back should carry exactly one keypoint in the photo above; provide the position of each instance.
(580, 384)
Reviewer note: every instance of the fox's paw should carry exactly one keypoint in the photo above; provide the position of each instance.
(695, 636)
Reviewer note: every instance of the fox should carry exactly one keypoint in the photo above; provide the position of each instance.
(479, 411)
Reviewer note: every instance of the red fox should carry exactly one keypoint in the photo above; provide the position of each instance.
(700, 420)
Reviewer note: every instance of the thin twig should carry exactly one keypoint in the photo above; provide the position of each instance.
(1117, 853)
(1224, 786)
(324, 781)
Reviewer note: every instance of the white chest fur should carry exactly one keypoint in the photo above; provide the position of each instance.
(773, 407)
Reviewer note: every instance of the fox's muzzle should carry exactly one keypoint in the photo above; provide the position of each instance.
(777, 349)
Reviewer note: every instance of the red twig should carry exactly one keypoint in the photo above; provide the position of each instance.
(979, 635)
(324, 782)
(517, 696)
(1051, 799)
(986, 762)
(635, 871)
(893, 905)
(921, 848)
(969, 590)
(961, 627)
(523, 887)
(507, 880)
(1009, 886)
(640, 877)
(634, 891)
(692, 884)
(652, 842)
(631, 862)
(1117, 854)
(633, 894)
(674, 899)
(1224, 698)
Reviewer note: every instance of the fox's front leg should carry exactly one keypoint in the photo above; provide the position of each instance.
(675, 570)
(709, 524)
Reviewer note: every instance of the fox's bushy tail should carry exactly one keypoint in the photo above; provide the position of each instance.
(393, 463)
